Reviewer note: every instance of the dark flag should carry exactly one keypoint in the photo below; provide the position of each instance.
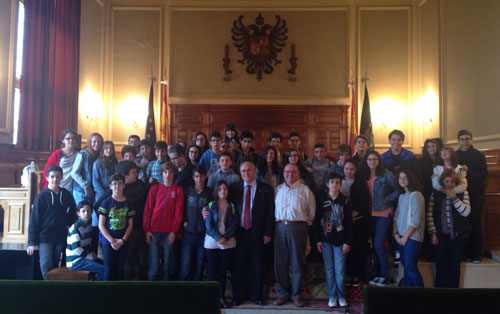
(150, 125)
(366, 121)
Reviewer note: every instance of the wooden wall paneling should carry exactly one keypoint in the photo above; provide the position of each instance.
(491, 221)
(315, 124)
(491, 209)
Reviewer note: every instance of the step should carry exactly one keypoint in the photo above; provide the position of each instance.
(495, 255)
(483, 275)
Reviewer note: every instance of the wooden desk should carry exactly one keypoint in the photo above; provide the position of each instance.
(17, 206)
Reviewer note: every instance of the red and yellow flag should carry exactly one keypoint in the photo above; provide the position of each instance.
(164, 114)
(354, 121)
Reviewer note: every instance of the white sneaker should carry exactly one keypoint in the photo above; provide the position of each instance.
(332, 302)
(375, 280)
(342, 302)
(382, 282)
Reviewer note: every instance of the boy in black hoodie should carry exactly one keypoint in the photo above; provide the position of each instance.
(54, 210)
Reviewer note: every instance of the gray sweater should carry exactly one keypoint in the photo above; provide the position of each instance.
(230, 177)
(411, 212)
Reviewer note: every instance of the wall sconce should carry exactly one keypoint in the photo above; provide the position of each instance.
(426, 109)
(226, 61)
(133, 111)
(388, 113)
(293, 64)
(90, 105)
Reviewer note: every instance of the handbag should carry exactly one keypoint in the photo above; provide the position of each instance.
(372, 265)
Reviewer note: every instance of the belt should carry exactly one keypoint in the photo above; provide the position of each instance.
(287, 222)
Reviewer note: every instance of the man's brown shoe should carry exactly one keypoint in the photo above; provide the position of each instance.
(280, 301)
(299, 303)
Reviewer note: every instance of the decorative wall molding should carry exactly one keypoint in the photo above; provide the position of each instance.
(494, 138)
(410, 141)
(252, 99)
(156, 72)
(9, 97)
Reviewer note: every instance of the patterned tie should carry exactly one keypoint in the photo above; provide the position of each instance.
(246, 217)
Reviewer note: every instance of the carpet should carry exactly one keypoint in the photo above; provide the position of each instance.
(312, 307)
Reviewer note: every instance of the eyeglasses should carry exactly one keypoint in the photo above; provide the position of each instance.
(116, 183)
(464, 139)
(294, 155)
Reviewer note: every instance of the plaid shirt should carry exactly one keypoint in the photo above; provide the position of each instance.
(154, 170)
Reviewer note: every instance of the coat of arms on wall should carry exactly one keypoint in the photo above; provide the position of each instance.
(259, 44)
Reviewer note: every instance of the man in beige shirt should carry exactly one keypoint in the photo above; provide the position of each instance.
(294, 213)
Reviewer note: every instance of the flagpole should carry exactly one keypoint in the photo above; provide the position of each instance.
(365, 78)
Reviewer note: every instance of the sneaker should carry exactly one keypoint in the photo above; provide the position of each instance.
(382, 282)
(348, 281)
(355, 281)
(476, 260)
(375, 280)
(332, 302)
(342, 302)
(397, 257)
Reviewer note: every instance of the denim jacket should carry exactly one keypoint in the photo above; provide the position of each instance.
(100, 177)
(82, 172)
(212, 222)
(385, 191)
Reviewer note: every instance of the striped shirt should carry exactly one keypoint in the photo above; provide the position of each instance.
(462, 207)
(79, 243)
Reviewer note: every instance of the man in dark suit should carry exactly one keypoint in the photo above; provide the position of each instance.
(254, 202)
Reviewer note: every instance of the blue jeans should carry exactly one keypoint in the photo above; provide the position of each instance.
(50, 256)
(381, 226)
(192, 254)
(334, 260)
(409, 257)
(159, 241)
(91, 266)
(114, 261)
(218, 264)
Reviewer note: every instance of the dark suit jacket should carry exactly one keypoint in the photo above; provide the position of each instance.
(262, 210)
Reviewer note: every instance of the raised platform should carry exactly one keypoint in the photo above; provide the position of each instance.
(483, 275)
(16, 264)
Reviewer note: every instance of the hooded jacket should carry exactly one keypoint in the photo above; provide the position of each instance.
(51, 217)
(164, 209)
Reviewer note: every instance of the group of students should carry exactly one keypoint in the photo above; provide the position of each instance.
(189, 205)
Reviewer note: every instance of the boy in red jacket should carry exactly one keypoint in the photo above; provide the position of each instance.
(162, 219)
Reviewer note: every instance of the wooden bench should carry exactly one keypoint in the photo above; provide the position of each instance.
(62, 273)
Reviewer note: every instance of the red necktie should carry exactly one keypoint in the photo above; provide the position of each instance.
(246, 218)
